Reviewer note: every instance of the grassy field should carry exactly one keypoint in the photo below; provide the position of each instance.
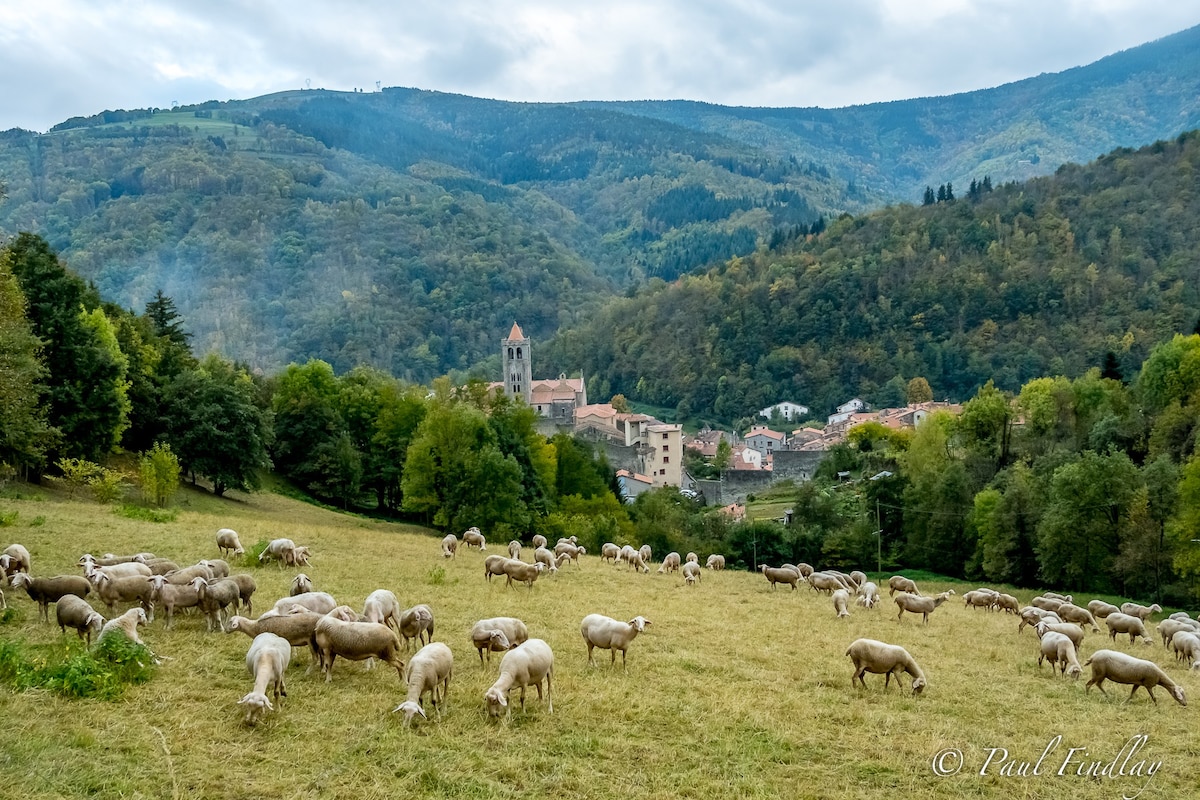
(734, 691)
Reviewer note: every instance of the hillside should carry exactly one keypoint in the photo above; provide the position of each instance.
(407, 229)
(1042, 278)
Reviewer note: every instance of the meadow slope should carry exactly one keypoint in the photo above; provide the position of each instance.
(735, 690)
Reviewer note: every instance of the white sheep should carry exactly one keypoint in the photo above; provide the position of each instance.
(899, 583)
(171, 596)
(1069, 612)
(473, 537)
(125, 625)
(868, 595)
(1125, 623)
(430, 668)
(520, 571)
(215, 598)
(74, 612)
(128, 589)
(920, 605)
(355, 641)
(301, 584)
(494, 565)
(610, 634)
(570, 549)
(691, 573)
(297, 628)
(228, 542)
(823, 581)
(16, 559)
(635, 560)
(514, 550)
(1186, 645)
(539, 540)
(449, 546)
(858, 578)
(1032, 615)
(880, 658)
(841, 599)
(609, 552)
(280, 550)
(1058, 649)
(497, 634)
(1122, 668)
(1047, 603)
(266, 660)
(124, 570)
(542, 556)
(979, 598)
(776, 575)
(1068, 629)
(529, 664)
(1140, 611)
(715, 562)
(670, 563)
(382, 606)
(186, 575)
(320, 602)
(1101, 609)
(1066, 598)
(646, 553)
(692, 557)
(1007, 602)
(1169, 627)
(416, 623)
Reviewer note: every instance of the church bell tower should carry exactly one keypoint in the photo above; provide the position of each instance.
(518, 374)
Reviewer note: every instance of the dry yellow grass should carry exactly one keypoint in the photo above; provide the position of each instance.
(736, 690)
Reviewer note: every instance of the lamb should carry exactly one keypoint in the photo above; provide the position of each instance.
(1185, 643)
(215, 597)
(539, 541)
(1068, 629)
(301, 584)
(16, 559)
(130, 589)
(45, 591)
(355, 641)
(899, 583)
(1140, 611)
(780, 575)
(1101, 609)
(868, 595)
(320, 602)
(716, 562)
(497, 634)
(525, 573)
(73, 612)
(1058, 649)
(841, 599)
(1122, 668)
(228, 543)
(449, 546)
(610, 634)
(880, 658)
(171, 596)
(691, 573)
(1124, 623)
(383, 607)
(1007, 602)
(609, 552)
(522, 666)
(823, 582)
(266, 660)
(494, 565)
(1069, 612)
(416, 623)
(126, 624)
(473, 537)
(431, 667)
(670, 563)
(920, 605)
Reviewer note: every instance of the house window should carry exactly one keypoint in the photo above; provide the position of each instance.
(666, 447)
(664, 436)
(662, 472)
(666, 459)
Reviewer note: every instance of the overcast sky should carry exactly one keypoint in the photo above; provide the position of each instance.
(64, 58)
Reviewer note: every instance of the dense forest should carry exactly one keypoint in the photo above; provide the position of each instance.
(1047, 277)
(406, 230)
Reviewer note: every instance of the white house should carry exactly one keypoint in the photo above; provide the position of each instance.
(846, 410)
(788, 410)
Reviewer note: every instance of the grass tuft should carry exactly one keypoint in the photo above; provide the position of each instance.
(8, 518)
(103, 673)
(159, 515)
(437, 576)
(250, 557)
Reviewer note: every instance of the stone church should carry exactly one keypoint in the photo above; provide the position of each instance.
(554, 398)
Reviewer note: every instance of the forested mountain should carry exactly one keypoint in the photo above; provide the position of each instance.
(1093, 265)
(407, 230)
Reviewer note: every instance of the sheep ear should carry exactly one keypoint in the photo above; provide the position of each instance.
(421, 711)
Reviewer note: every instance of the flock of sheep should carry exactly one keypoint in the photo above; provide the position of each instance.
(384, 630)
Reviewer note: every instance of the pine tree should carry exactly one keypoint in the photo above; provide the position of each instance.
(941, 193)
(930, 198)
(167, 321)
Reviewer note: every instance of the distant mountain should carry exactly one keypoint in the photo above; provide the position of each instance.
(409, 229)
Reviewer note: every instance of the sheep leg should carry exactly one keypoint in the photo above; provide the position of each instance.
(612, 662)
(327, 658)
(549, 696)
(858, 675)
(591, 660)
(523, 696)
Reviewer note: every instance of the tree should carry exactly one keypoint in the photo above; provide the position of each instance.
(166, 319)
(160, 474)
(619, 404)
(213, 424)
(918, 391)
(930, 198)
(308, 425)
(24, 434)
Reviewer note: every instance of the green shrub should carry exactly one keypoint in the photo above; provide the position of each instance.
(8, 518)
(102, 673)
(250, 557)
(106, 485)
(132, 511)
(160, 474)
(37, 521)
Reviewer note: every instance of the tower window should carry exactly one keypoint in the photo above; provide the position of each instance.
(518, 352)
(510, 352)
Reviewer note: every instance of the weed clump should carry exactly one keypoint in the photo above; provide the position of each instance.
(103, 673)
(133, 511)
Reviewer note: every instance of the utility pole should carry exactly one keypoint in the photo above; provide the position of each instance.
(878, 540)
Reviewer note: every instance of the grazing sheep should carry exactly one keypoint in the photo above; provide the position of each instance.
(280, 550)
(1124, 623)
(246, 589)
(1140, 611)
(1069, 612)
(692, 557)
(824, 582)
(1169, 627)
(980, 599)
(125, 625)
(219, 567)
(646, 553)
(16, 559)
(880, 658)
(539, 541)
(1058, 649)
(1068, 629)
(1047, 603)
(355, 641)
(417, 623)
(1066, 598)
(1008, 603)
(522, 666)
(161, 566)
(610, 634)
(1032, 615)
(525, 573)
(449, 546)
(266, 660)
(780, 575)
(920, 605)
(45, 591)
(570, 549)
(320, 602)
(112, 559)
(842, 578)
(541, 556)
(171, 596)
(229, 543)
(431, 667)
(494, 565)
(129, 589)
(670, 563)
(715, 562)
(805, 570)
(868, 595)
(635, 560)
(1122, 668)
(188, 574)
(858, 578)
(691, 573)
(899, 583)
(626, 553)
(215, 597)
(514, 550)
(125, 570)
(1101, 609)
(1181, 615)
(383, 607)
(74, 612)
(609, 552)
(497, 634)
(1186, 645)
(841, 598)
(473, 537)
(296, 627)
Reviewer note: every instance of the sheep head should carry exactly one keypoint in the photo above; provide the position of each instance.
(498, 642)
(639, 623)
(411, 708)
(256, 703)
(94, 622)
(1074, 671)
(497, 701)
(1177, 692)
(139, 616)
(918, 686)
